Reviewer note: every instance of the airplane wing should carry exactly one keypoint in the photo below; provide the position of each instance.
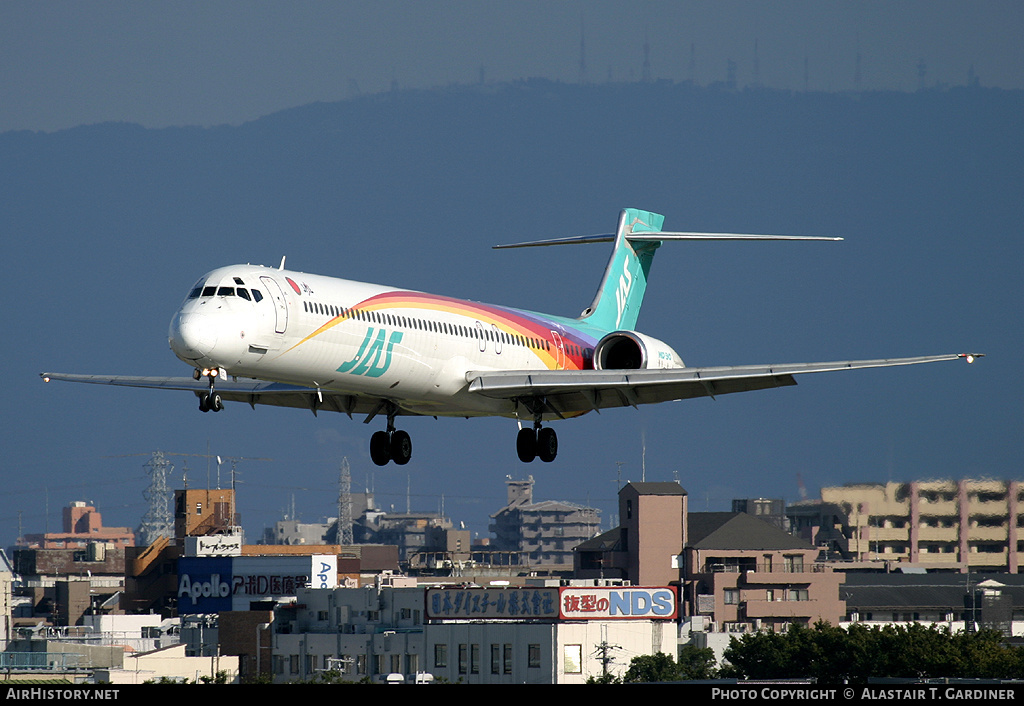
(565, 392)
(252, 392)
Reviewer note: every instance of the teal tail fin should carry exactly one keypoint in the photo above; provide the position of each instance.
(616, 305)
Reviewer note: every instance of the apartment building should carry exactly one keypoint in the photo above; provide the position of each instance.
(963, 525)
(544, 534)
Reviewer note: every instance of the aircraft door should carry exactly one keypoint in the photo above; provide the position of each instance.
(559, 351)
(280, 304)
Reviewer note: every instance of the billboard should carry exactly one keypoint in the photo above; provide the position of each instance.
(618, 602)
(214, 584)
(565, 603)
(492, 603)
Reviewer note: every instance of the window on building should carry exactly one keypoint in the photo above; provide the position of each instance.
(731, 596)
(440, 656)
(474, 659)
(495, 659)
(533, 656)
(507, 666)
(573, 659)
(463, 659)
(794, 563)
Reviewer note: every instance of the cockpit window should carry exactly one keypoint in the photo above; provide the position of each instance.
(238, 280)
(195, 293)
(243, 293)
(226, 292)
(209, 291)
(257, 295)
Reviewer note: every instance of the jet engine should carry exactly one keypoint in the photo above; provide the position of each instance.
(629, 350)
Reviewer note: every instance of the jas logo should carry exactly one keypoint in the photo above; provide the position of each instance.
(368, 358)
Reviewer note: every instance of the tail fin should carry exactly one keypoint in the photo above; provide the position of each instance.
(617, 303)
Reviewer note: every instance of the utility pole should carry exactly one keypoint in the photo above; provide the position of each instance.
(604, 651)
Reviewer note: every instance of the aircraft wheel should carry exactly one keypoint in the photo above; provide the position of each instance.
(401, 447)
(547, 444)
(380, 451)
(204, 406)
(526, 445)
(215, 403)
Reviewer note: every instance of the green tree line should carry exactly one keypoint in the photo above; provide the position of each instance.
(832, 655)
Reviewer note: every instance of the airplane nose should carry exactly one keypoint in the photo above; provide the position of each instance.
(192, 336)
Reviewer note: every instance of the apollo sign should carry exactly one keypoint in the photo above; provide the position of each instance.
(618, 602)
(213, 587)
(220, 583)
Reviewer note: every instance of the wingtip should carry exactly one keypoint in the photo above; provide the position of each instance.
(971, 357)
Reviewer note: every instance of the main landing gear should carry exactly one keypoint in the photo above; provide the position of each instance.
(537, 442)
(210, 401)
(391, 445)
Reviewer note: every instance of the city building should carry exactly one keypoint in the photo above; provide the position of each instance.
(82, 526)
(736, 572)
(771, 510)
(949, 600)
(544, 534)
(743, 574)
(646, 547)
(62, 585)
(542, 632)
(965, 525)
(204, 511)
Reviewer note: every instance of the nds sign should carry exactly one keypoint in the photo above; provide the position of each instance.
(622, 602)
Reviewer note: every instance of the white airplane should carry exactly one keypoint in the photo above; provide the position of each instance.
(279, 337)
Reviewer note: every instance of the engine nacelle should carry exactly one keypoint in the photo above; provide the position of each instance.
(629, 350)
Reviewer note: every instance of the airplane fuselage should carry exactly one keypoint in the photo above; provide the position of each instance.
(366, 339)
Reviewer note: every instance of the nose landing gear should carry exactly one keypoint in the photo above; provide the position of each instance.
(210, 401)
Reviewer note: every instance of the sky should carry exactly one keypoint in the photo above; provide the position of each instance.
(208, 63)
(66, 64)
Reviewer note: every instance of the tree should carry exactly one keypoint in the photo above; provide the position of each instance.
(696, 662)
(830, 654)
(651, 668)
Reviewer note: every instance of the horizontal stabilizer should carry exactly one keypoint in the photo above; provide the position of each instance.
(659, 236)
